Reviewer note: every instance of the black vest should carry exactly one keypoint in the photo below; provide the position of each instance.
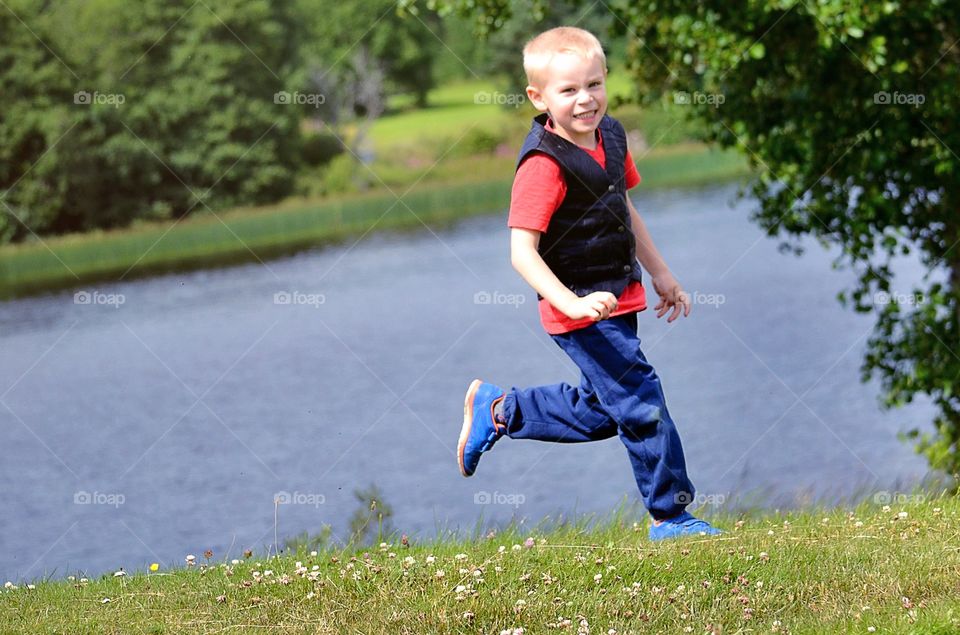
(588, 244)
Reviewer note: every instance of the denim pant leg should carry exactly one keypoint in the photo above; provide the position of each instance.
(628, 392)
(557, 412)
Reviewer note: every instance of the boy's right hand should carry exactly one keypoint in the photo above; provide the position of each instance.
(596, 306)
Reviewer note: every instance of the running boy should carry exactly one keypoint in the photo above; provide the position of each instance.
(576, 239)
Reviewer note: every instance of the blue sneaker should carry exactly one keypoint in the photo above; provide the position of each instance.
(480, 428)
(686, 524)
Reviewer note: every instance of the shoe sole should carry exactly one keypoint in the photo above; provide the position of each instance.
(467, 422)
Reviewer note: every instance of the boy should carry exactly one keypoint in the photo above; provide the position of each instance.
(576, 238)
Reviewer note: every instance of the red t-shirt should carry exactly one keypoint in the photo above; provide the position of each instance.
(538, 189)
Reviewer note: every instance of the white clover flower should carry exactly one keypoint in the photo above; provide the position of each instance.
(431, 559)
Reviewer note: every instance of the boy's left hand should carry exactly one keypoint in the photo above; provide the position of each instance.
(672, 296)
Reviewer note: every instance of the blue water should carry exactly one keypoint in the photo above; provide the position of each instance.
(164, 425)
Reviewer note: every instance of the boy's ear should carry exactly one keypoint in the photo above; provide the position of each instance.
(533, 94)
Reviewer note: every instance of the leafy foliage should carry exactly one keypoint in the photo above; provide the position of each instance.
(848, 112)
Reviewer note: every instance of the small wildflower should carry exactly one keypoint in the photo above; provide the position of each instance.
(516, 548)
(902, 515)
(221, 599)
(597, 578)
(871, 629)
(234, 562)
(155, 566)
(191, 560)
(105, 601)
(404, 540)
(886, 508)
(764, 556)
(859, 523)
(501, 549)
(439, 574)
(468, 615)
(460, 556)
(529, 543)
(313, 554)
(120, 573)
(208, 554)
(247, 553)
(409, 561)
(31, 587)
(431, 559)
(9, 585)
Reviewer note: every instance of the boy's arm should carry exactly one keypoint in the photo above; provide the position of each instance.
(529, 264)
(668, 289)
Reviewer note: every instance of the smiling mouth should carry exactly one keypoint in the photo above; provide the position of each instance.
(586, 115)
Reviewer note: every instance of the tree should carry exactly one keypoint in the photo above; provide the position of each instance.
(848, 113)
(115, 111)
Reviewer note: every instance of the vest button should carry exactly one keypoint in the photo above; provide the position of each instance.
(620, 229)
(627, 268)
(611, 188)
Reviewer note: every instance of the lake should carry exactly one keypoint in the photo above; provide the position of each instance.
(149, 419)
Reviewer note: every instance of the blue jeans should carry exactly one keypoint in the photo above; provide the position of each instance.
(619, 394)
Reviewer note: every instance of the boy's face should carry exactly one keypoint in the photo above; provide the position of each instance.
(575, 96)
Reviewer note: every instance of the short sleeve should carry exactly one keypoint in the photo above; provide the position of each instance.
(630, 172)
(538, 189)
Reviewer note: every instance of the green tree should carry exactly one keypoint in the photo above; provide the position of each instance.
(118, 111)
(848, 112)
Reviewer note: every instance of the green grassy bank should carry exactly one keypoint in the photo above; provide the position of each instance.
(248, 235)
(891, 569)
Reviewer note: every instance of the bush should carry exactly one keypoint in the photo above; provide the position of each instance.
(321, 148)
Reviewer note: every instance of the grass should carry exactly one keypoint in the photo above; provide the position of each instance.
(249, 235)
(858, 570)
(443, 150)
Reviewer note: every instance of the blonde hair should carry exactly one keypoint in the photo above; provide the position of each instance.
(539, 51)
